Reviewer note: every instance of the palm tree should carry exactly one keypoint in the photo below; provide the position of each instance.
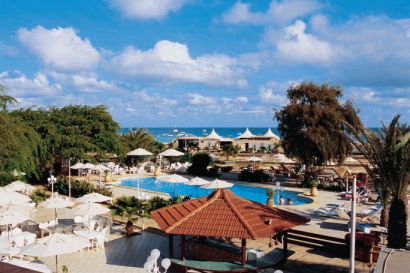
(230, 150)
(388, 152)
(5, 100)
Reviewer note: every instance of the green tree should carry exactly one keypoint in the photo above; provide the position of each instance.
(314, 123)
(388, 152)
(200, 163)
(20, 148)
(230, 150)
(141, 138)
(5, 100)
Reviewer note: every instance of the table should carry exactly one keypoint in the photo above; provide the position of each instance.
(87, 234)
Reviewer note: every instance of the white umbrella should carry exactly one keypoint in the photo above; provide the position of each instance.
(171, 152)
(93, 197)
(12, 216)
(56, 203)
(20, 186)
(197, 181)
(255, 158)
(10, 197)
(4, 243)
(100, 168)
(77, 166)
(89, 166)
(217, 184)
(54, 245)
(90, 209)
(139, 152)
(175, 178)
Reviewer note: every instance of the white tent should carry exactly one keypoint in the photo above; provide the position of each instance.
(89, 166)
(351, 161)
(213, 135)
(77, 166)
(139, 152)
(246, 134)
(270, 134)
(217, 184)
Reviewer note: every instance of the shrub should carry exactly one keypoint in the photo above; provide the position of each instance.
(200, 163)
(39, 196)
(156, 202)
(270, 193)
(226, 169)
(314, 183)
(129, 207)
(78, 188)
(255, 176)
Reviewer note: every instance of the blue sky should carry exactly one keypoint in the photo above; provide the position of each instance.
(208, 63)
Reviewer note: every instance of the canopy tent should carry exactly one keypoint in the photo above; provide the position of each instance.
(217, 184)
(213, 135)
(351, 161)
(208, 217)
(270, 134)
(246, 135)
(54, 245)
(139, 152)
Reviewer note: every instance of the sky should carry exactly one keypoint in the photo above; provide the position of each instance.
(205, 63)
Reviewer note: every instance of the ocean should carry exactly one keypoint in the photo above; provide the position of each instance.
(166, 135)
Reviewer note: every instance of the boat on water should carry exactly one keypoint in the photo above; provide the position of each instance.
(175, 130)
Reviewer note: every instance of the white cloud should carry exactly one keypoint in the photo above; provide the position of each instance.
(144, 96)
(198, 99)
(148, 9)
(302, 47)
(171, 62)
(278, 12)
(7, 50)
(274, 93)
(85, 82)
(60, 48)
(242, 99)
(18, 84)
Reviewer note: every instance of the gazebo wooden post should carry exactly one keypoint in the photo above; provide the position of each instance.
(182, 247)
(243, 258)
(285, 246)
(171, 245)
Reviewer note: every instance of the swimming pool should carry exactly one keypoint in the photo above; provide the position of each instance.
(246, 191)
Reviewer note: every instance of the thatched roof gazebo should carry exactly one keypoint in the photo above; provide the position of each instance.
(222, 214)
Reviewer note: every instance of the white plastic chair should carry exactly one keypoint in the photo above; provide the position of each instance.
(78, 220)
(16, 231)
(19, 241)
(100, 240)
(4, 234)
(30, 238)
(52, 223)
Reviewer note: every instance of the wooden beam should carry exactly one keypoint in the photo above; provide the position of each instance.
(171, 246)
(285, 246)
(243, 258)
(182, 247)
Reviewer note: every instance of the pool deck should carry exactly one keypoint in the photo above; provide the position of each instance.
(302, 260)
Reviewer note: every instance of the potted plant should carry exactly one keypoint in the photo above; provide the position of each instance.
(313, 187)
(106, 174)
(270, 194)
(65, 269)
(157, 171)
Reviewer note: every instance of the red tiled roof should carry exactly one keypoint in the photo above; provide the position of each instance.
(223, 214)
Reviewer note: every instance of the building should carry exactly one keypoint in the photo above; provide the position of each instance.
(247, 141)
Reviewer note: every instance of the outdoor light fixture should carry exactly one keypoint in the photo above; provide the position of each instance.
(51, 180)
(151, 265)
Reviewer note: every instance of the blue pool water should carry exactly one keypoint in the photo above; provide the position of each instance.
(248, 192)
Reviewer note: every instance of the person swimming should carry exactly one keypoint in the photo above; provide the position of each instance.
(289, 202)
(281, 200)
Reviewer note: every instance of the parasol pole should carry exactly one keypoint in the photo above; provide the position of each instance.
(353, 227)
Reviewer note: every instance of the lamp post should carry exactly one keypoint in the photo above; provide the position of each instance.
(151, 265)
(69, 178)
(278, 188)
(51, 180)
(353, 227)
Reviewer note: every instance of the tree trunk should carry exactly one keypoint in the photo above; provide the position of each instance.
(384, 218)
(397, 231)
